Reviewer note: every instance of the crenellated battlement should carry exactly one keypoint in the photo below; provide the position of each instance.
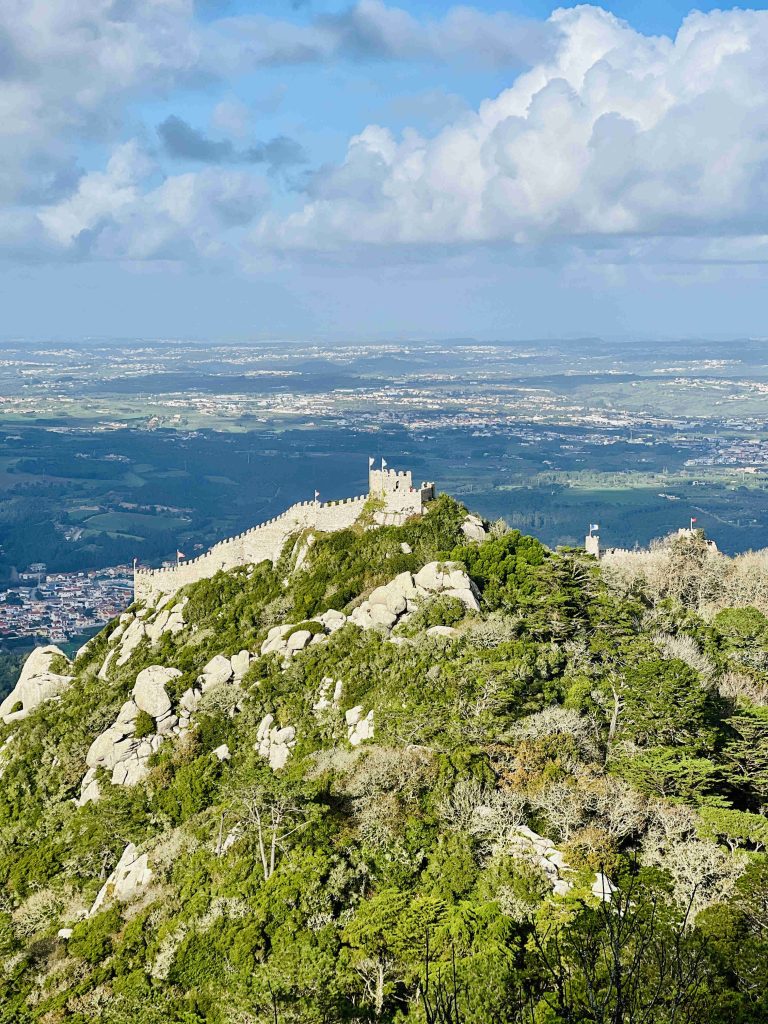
(395, 487)
(265, 541)
(290, 515)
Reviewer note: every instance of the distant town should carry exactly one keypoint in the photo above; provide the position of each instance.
(122, 449)
(61, 606)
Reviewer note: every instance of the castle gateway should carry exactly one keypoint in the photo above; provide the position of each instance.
(394, 499)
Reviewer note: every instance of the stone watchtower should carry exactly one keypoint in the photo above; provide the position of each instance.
(395, 489)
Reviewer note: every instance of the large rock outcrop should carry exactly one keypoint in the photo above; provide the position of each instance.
(388, 603)
(544, 854)
(221, 670)
(383, 609)
(118, 750)
(131, 876)
(328, 695)
(36, 684)
(275, 744)
(217, 671)
(147, 624)
(149, 691)
(473, 529)
(286, 640)
(448, 578)
(359, 726)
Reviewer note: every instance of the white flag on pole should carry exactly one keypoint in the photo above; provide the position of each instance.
(383, 463)
(371, 461)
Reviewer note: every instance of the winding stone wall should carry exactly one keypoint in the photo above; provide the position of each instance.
(264, 542)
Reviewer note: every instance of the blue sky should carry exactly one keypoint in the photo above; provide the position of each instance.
(372, 170)
(648, 17)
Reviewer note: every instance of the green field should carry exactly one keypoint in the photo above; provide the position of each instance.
(133, 523)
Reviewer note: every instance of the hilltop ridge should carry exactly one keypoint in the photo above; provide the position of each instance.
(391, 499)
(407, 772)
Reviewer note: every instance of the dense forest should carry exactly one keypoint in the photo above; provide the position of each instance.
(541, 804)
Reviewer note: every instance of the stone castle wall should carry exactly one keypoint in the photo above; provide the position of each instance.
(265, 542)
(592, 544)
(395, 488)
(255, 545)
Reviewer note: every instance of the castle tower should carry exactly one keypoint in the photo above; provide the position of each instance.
(384, 481)
(395, 489)
(592, 541)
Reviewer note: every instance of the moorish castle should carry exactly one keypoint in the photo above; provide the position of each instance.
(593, 546)
(393, 499)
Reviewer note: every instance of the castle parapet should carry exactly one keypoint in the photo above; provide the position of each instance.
(265, 542)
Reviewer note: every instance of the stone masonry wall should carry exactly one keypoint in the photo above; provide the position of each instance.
(393, 487)
(262, 542)
(402, 499)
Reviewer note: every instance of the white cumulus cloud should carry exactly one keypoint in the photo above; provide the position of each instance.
(645, 148)
(616, 135)
(121, 214)
(67, 69)
(73, 71)
(372, 30)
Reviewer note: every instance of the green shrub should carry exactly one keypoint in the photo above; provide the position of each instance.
(741, 627)
(145, 725)
(438, 611)
(736, 828)
(91, 940)
(310, 625)
(198, 962)
(192, 788)
(60, 665)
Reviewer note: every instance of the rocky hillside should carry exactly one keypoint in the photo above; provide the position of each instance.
(433, 773)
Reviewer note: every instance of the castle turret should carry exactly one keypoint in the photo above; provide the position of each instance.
(395, 489)
(592, 541)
